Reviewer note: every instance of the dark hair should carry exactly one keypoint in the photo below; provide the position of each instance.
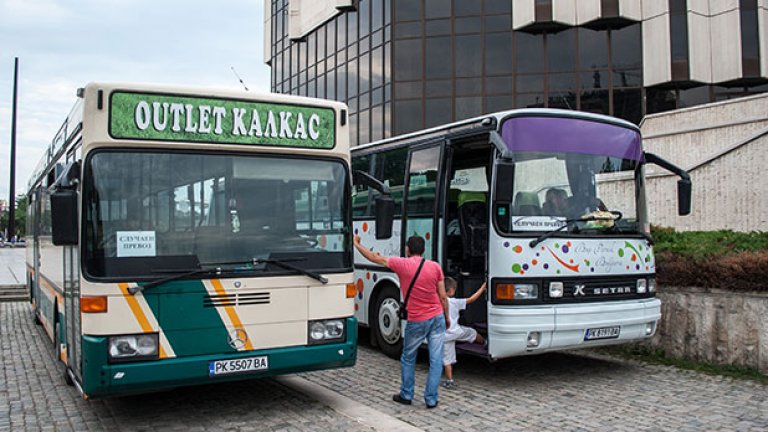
(415, 245)
(450, 283)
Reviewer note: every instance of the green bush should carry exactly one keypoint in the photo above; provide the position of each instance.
(706, 244)
(716, 259)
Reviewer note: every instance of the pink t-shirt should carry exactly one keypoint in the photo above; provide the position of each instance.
(424, 302)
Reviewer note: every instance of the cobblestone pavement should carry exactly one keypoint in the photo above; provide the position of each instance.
(33, 396)
(579, 391)
(575, 391)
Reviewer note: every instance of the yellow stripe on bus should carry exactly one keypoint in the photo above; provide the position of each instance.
(139, 314)
(231, 311)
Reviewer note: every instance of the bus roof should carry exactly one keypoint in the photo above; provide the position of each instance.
(492, 120)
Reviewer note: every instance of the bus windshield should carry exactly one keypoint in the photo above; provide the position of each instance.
(550, 188)
(145, 212)
(566, 169)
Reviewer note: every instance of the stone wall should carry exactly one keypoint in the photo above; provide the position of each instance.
(714, 326)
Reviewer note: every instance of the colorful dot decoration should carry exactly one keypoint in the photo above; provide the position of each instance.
(634, 260)
(365, 226)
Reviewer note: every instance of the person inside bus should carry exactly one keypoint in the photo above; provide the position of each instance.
(555, 203)
(455, 332)
(428, 317)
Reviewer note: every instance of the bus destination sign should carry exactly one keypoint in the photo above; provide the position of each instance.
(159, 117)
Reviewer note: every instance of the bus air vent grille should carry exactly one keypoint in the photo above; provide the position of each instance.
(222, 300)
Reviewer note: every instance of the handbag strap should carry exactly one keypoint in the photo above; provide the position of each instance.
(413, 281)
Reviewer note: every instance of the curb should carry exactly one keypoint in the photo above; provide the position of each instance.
(364, 415)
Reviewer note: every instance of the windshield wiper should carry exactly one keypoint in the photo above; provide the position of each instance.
(549, 234)
(183, 274)
(284, 263)
(218, 271)
(613, 217)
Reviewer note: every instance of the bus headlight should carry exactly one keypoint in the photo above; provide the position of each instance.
(326, 331)
(651, 285)
(134, 347)
(555, 289)
(641, 286)
(517, 291)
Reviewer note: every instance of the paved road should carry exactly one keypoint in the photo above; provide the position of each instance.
(12, 265)
(575, 391)
(552, 392)
(33, 396)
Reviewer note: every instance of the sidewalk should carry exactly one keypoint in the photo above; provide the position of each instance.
(12, 274)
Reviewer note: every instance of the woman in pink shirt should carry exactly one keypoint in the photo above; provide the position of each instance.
(427, 315)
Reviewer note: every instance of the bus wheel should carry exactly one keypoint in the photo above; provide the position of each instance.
(388, 329)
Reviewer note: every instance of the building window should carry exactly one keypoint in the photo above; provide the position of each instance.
(678, 30)
(750, 42)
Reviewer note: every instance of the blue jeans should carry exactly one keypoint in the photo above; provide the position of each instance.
(433, 330)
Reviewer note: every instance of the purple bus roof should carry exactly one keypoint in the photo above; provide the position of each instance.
(570, 135)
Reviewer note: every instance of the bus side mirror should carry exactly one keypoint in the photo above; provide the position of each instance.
(64, 217)
(683, 197)
(385, 215)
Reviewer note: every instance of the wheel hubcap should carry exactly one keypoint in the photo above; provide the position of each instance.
(389, 322)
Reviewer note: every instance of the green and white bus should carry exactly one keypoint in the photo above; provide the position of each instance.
(183, 236)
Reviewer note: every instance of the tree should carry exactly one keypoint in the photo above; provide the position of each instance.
(21, 217)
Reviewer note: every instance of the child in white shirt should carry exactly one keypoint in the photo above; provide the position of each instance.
(457, 332)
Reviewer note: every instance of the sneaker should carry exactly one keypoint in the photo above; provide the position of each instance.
(397, 398)
(449, 384)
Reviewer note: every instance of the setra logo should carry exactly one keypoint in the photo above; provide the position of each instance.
(578, 290)
(237, 338)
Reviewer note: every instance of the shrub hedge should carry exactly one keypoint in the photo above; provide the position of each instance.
(717, 259)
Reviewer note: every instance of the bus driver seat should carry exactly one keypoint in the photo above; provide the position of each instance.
(473, 220)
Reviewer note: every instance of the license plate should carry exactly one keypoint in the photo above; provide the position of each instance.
(602, 333)
(242, 365)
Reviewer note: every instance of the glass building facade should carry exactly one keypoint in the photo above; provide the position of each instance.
(405, 65)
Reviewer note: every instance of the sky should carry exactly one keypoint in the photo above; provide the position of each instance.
(64, 44)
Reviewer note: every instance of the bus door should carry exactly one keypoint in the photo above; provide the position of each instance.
(72, 307)
(466, 209)
(71, 275)
(420, 212)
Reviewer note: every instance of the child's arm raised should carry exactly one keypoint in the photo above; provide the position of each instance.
(477, 294)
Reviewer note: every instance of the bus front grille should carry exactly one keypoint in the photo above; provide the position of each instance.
(245, 299)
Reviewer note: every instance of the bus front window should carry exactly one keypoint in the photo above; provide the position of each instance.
(152, 211)
(550, 188)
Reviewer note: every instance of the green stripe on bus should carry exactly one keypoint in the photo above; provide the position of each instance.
(191, 328)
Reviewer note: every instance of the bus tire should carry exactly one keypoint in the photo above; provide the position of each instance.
(387, 328)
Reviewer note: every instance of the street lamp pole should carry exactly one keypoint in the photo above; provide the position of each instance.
(12, 193)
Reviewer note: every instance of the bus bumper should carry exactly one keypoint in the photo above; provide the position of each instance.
(563, 327)
(101, 378)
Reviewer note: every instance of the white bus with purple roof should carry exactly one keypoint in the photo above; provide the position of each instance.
(547, 206)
